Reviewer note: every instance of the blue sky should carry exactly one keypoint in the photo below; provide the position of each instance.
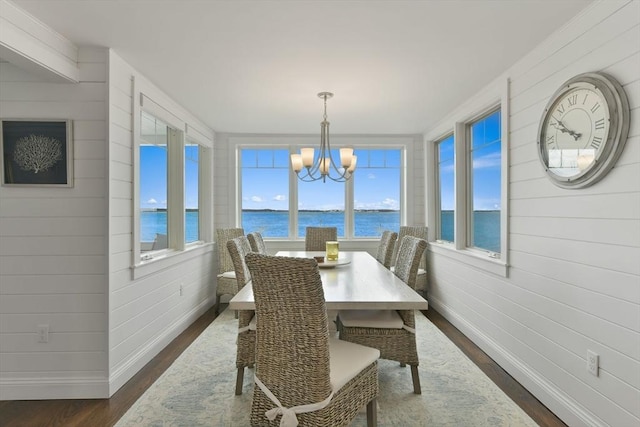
(486, 166)
(153, 173)
(376, 180)
(265, 183)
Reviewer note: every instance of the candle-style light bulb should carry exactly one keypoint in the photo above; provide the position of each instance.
(352, 167)
(296, 162)
(307, 157)
(346, 154)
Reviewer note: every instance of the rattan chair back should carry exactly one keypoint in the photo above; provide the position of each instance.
(223, 235)
(315, 238)
(292, 342)
(257, 243)
(396, 344)
(410, 253)
(225, 285)
(245, 353)
(420, 232)
(386, 247)
(238, 248)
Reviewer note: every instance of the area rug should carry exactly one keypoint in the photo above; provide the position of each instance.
(198, 388)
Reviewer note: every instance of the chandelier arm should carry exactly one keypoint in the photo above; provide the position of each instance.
(325, 162)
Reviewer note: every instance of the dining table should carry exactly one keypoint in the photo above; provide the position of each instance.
(356, 281)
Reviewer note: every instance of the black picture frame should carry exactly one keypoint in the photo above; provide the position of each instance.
(36, 152)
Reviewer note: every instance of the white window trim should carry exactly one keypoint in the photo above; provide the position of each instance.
(150, 99)
(495, 95)
(294, 142)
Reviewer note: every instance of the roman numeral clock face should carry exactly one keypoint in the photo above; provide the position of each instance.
(581, 129)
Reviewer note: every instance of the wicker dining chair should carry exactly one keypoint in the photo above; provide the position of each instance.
(257, 243)
(421, 233)
(246, 341)
(296, 362)
(386, 247)
(390, 331)
(315, 238)
(227, 284)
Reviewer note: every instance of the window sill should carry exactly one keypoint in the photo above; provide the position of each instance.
(474, 258)
(169, 259)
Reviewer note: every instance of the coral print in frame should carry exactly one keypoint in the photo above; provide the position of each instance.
(37, 152)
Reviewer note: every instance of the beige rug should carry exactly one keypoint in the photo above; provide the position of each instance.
(198, 389)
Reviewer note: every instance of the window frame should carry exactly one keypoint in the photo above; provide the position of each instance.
(494, 97)
(438, 192)
(402, 143)
(470, 211)
(189, 129)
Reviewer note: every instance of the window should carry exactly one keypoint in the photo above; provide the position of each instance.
(154, 164)
(377, 192)
(467, 200)
(446, 189)
(170, 176)
(277, 204)
(265, 191)
(191, 189)
(485, 181)
(321, 206)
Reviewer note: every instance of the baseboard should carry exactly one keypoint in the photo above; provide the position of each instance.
(53, 388)
(553, 398)
(130, 367)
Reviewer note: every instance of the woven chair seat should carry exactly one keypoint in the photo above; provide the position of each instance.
(385, 319)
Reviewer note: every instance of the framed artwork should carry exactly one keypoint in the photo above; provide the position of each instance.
(36, 152)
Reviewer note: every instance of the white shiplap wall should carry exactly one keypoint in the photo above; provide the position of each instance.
(53, 265)
(574, 276)
(146, 313)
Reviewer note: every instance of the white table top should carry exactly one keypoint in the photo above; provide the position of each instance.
(362, 284)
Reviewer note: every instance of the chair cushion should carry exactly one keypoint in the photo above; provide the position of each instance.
(347, 360)
(382, 319)
(228, 275)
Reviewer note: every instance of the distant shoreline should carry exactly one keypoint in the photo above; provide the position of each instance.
(319, 210)
(305, 210)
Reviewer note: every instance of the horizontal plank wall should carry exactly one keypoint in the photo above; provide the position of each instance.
(145, 314)
(53, 264)
(574, 275)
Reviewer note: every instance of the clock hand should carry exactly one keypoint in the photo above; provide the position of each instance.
(564, 129)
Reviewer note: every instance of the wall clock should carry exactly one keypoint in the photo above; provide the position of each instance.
(583, 130)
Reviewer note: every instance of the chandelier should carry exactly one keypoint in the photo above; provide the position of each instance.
(324, 166)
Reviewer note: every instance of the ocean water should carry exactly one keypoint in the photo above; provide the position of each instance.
(153, 222)
(367, 224)
(486, 229)
(276, 224)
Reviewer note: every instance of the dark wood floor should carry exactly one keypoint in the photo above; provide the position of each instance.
(106, 412)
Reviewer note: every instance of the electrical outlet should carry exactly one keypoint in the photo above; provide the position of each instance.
(593, 362)
(43, 333)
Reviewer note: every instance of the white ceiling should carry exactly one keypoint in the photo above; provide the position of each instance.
(257, 66)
